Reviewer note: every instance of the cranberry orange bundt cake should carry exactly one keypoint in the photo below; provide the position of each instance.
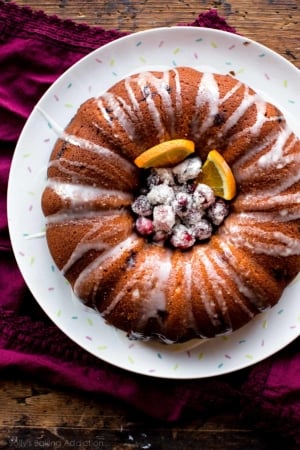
(154, 249)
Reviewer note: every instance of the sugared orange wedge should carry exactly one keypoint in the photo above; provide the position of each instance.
(168, 153)
(217, 174)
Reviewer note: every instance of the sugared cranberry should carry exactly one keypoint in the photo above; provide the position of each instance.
(144, 226)
(193, 216)
(182, 203)
(218, 211)
(153, 179)
(188, 169)
(181, 237)
(202, 230)
(183, 199)
(163, 217)
(161, 194)
(141, 206)
(203, 196)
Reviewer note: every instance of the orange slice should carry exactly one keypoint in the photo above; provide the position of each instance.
(166, 154)
(217, 174)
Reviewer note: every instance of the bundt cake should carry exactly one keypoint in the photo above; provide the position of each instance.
(108, 222)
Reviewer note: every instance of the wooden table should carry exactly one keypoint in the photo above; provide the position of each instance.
(33, 415)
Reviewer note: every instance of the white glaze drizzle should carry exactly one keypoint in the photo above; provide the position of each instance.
(143, 80)
(208, 94)
(115, 159)
(284, 202)
(117, 107)
(217, 286)
(178, 97)
(161, 86)
(153, 278)
(91, 240)
(68, 215)
(248, 100)
(274, 156)
(198, 264)
(228, 272)
(79, 194)
(287, 214)
(157, 282)
(256, 127)
(233, 274)
(110, 254)
(66, 167)
(258, 240)
(86, 144)
(244, 172)
(72, 169)
(188, 294)
(80, 250)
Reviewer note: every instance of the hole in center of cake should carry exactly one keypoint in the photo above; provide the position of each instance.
(172, 208)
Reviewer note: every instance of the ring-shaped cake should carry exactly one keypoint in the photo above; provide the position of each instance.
(155, 291)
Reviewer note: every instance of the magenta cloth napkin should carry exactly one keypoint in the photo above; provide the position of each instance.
(34, 50)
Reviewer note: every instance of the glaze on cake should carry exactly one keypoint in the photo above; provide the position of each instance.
(155, 291)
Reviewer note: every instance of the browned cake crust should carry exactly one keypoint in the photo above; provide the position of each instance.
(153, 291)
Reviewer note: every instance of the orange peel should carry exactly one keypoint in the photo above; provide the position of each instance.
(217, 174)
(165, 154)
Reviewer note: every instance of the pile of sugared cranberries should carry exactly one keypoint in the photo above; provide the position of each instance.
(173, 208)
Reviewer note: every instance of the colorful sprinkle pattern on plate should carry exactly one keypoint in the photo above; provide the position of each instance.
(163, 48)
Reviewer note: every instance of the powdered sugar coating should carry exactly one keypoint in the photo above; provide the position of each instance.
(142, 206)
(182, 237)
(163, 218)
(181, 210)
(161, 194)
(203, 196)
(218, 211)
(187, 170)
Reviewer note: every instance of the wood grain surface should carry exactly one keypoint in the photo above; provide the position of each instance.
(274, 23)
(33, 415)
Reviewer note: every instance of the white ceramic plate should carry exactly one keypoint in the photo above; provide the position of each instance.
(162, 48)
